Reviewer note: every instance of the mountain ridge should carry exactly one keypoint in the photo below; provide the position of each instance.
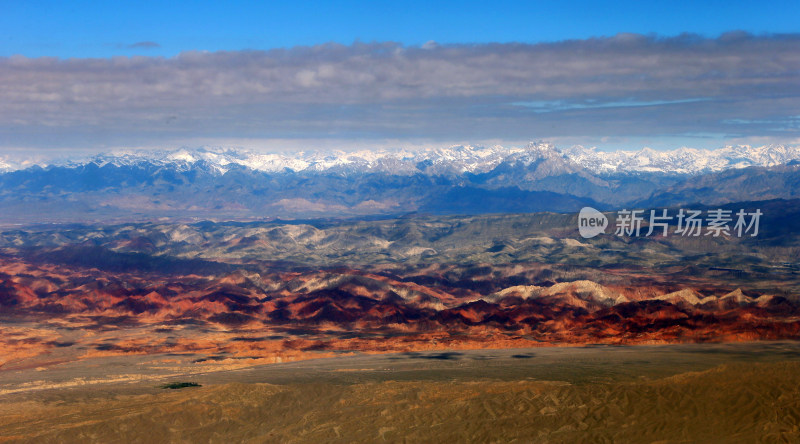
(228, 185)
(455, 159)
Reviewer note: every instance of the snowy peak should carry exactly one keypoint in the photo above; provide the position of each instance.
(682, 160)
(453, 160)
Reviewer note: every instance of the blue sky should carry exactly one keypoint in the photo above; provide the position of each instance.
(103, 29)
(95, 76)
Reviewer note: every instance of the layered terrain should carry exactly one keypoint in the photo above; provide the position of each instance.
(239, 294)
(481, 328)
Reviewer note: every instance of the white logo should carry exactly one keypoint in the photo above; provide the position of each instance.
(591, 222)
(635, 223)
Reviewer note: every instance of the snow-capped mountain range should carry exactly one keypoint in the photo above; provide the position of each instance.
(449, 160)
(682, 160)
(234, 184)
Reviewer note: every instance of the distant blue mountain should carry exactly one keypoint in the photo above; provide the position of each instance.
(186, 187)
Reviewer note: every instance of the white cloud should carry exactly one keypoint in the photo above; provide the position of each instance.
(628, 85)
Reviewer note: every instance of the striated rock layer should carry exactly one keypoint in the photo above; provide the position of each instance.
(264, 313)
